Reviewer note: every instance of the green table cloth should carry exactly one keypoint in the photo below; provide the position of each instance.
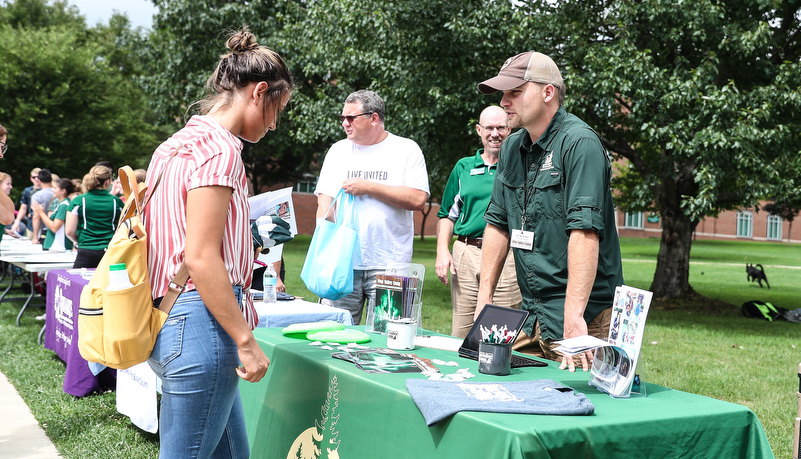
(310, 405)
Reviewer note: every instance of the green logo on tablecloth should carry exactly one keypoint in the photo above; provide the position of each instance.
(308, 444)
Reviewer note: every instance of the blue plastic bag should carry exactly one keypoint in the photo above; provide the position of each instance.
(328, 269)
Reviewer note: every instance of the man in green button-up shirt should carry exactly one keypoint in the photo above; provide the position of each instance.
(552, 203)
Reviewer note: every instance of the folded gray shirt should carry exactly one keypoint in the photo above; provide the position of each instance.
(437, 399)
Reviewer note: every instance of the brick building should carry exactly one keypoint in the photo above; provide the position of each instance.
(745, 224)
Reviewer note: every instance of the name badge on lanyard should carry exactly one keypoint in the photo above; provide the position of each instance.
(477, 171)
(522, 239)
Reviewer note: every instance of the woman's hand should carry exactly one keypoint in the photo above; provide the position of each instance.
(254, 362)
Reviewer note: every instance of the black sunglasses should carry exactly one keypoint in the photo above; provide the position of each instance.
(350, 118)
(3, 147)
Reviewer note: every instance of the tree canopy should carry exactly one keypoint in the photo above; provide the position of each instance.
(67, 97)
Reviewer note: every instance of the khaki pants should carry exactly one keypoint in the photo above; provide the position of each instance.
(599, 328)
(464, 286)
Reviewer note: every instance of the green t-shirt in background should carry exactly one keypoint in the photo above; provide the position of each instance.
(98, 212)
(59, 213)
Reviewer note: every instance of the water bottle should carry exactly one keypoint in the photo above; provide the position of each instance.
(118, 277)
(270, 283)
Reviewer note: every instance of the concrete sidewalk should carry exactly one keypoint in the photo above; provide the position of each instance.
(20, 434)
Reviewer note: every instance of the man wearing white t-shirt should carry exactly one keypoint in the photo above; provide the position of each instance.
(387, 175)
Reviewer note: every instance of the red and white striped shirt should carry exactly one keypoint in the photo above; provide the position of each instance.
(208, 155)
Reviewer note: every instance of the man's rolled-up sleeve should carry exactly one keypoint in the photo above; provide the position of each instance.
(587, 183)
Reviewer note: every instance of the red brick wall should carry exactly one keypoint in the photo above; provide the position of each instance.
(305, 210)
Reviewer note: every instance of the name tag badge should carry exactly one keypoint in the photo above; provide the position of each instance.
(477, 171)
(522, 239)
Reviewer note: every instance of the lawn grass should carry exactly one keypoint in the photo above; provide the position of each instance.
(704, 347)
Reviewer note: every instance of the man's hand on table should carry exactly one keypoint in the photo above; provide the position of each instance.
(573, 328)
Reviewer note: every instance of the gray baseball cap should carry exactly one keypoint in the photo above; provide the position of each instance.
(529, 66)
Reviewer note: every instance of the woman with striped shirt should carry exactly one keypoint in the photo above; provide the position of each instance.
(198, 215)
(92, 218)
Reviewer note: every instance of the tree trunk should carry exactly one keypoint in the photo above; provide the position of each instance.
(425, 216)
(789, 232)
(672, 277)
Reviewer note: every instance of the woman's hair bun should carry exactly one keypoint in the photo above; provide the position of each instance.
(242, 41)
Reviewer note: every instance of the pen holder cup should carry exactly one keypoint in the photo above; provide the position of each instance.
(494, 358)
(400, 334)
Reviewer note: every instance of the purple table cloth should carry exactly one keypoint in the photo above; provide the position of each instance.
(61, 335)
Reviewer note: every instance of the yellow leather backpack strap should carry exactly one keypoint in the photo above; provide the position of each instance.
(130, 189)
(176, 287)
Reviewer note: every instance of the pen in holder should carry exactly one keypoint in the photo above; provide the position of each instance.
(495, 351)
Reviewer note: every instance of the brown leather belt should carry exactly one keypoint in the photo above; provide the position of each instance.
(474, 241)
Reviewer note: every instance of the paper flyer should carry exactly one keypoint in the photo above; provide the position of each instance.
(382, 360)
(278, 202)
(614, 366)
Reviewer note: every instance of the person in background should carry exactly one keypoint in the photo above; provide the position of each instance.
(43, 198)
(23, 221)
(199, 217)
(272, 231)
(6, 204)
(54, 218)
(108, 164)
(552, 202)
(77, 188)
(387, 175)
(141, 175)
(116, 187)
(464, 201)
(5, 188)
(95, 213)
(278, 266)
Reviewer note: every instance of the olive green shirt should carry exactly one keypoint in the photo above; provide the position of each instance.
(560, 183)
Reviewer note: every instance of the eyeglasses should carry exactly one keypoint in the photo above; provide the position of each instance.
(34, 177)
(350, 118)
(494, 128)
(3, 147)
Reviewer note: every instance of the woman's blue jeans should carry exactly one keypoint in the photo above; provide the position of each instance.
(201, 412)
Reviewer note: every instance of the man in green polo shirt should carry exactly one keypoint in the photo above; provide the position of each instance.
(464, 201)
(552, 203)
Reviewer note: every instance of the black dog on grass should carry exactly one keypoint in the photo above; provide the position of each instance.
(755, 274)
